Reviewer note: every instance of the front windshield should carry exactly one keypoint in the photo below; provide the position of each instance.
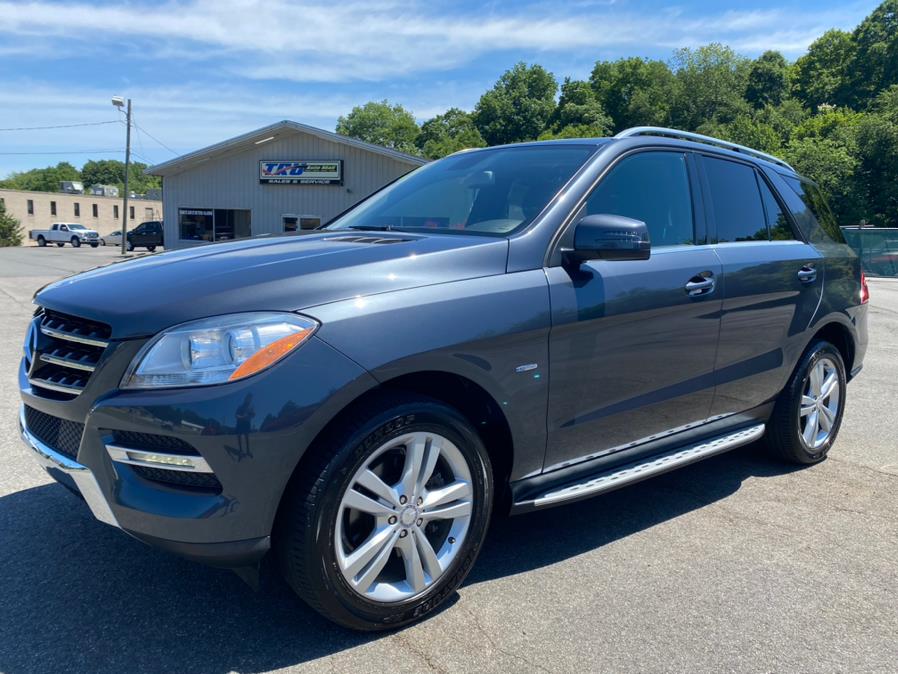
(488, 192)
(76, 226)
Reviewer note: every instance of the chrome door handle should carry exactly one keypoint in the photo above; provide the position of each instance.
(700, 284)
(807, 274)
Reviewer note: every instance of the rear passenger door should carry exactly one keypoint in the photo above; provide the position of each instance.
(633, 342)
(771, 286)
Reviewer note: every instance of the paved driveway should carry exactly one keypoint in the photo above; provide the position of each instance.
(734, 564)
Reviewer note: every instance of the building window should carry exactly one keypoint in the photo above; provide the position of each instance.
(96, 210)
(291, 223)
(2, 203)
(77, 209)
(30, 207)
(115, 211)
(148, 213)
(206, 224)
(309, 222)
(131, 212)
(52, 208)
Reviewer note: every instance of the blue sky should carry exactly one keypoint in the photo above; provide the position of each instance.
(200, 71)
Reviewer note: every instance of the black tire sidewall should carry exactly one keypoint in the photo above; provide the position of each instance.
(340, 601)
(41, 241)
(812, 357)
(76, 242)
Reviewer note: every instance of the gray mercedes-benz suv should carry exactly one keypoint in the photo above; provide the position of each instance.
(508, 328)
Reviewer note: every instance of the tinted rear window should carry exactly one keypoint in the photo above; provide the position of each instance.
(735, 201)
(813, 198)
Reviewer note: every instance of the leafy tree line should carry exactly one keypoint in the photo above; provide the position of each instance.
(94, 172)
(832, 114)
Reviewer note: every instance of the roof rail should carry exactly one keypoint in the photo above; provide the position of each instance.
(699, 138)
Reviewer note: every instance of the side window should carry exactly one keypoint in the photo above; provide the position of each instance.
(777, 223)
(735, 201)
(816, 203)
(652, 187)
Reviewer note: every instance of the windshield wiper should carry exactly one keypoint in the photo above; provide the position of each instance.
(372, 228)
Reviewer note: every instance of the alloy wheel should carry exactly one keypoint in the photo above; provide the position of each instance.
(819, 409)
(404, 517)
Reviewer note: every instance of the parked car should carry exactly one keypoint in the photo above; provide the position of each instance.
(146, 235)
(511, 328)
(112, 239)
(62, 233)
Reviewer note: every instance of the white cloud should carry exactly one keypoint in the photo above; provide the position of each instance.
(372, 41)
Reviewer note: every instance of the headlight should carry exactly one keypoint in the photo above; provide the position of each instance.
(217, 350)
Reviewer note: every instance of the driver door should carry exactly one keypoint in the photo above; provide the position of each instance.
(632, 349)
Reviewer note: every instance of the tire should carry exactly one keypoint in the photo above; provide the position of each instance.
(130, 246)
(790, 435)
(151, 248)
(318, 531)
(94, 244)
(76, 242)
(103, 242)
(41, 241)
(60, 243)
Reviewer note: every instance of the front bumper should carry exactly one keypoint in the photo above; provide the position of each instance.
(252, 461)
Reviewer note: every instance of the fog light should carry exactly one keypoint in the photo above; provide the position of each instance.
(162, 460)
(168, 460)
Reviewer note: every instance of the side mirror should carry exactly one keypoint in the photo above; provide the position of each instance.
(608, 237)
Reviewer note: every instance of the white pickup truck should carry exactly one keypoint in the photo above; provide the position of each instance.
(62, 233)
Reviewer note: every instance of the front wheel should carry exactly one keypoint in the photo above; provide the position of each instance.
(94, 244)
(76, 242)
(129, 246)
(386, 522)
(808, 413)
(60, 244)
(151, 248)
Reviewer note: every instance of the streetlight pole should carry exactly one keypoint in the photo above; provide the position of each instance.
(118, 102)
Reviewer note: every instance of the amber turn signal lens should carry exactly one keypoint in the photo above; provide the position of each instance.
(270, 354)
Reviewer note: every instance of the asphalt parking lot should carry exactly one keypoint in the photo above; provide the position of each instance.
(733, 564)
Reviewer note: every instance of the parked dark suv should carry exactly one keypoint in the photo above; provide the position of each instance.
(146, 235)
(514, 327)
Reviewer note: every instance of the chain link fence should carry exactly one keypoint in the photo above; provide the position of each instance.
(877, 248)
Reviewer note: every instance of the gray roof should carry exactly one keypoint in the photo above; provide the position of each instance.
(247, 140)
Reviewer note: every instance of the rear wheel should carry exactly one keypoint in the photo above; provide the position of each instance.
(151, 248)
(387, 521)
(130, 246)
(76, 242)
(808, 413)
(103, 242)
(41, 241)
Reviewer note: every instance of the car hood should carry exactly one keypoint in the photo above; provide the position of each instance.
(139, 297)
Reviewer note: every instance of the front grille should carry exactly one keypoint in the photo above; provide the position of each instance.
(60, 434)
(206, 482)
(153, 442)
(66, 353)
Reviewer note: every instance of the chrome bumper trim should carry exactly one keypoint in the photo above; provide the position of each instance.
(187, 463)
(80, 475)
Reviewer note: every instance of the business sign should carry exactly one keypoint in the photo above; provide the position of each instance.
(301, 172)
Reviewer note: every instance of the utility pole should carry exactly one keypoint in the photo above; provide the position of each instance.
(127, 171)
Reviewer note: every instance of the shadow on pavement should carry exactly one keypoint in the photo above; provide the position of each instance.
(78, 595)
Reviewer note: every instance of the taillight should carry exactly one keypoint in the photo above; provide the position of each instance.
(865, 289)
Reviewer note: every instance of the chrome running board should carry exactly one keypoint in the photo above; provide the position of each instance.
(651, 466)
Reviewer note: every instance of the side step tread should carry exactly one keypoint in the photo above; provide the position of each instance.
(654, 465)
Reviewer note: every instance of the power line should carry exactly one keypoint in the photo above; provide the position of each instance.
(143, 130)
(28, 154)
(59, 126)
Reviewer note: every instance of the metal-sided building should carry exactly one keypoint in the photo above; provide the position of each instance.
(279, 179)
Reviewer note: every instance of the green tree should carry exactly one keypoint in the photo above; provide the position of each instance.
(634, 91)
(767, 80)
(745, 129)
(874, 66)
(10, 231)
(712, 83)
(578, 113)
(42, 179)
(381, 123)
(450, 132)
(834, 167)
(112, 172)
(820, 76)
(877, 147)
(518, 107)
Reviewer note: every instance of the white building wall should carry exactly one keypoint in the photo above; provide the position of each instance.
(232, 182)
